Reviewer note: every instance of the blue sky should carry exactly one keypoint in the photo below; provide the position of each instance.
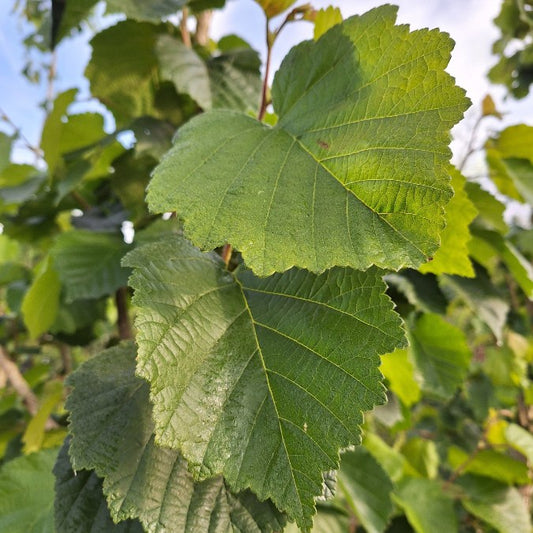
(469, 22)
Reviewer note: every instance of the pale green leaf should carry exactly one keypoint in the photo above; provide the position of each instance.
(516, 141)
(33, 437)
(503, 508)
(441, 354)
(366, 488)
(399, 371)
(520, 439)
(326, 19)
(53, 128)
(427, 507)
(41, 302)
(480, 295)
(112, 433)
(5, 149)
(247, 352)
(274, 7)
(80, 505)
(353, 174)
(88, 263)
(9, 249)
(452, 256)
(489, 463)
(27, 494)
(490, 210)
(184, 68)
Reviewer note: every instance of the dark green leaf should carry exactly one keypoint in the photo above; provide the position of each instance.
(249, 352)
(112, 432)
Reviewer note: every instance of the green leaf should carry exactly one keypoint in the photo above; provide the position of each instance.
(355, 171)
(422, 291)
(27, 494)
(482, 297)
(501, 507)
(399, 371)
(53, 128)
(326, 19)
(274, 7)
(112, 432)
(520, 439)
(249, 352)
(6, 142)
(235, 79)
(490, 210)
(80, 505)
(41, 302)
(503, 249)
(423, 456)
(516, 141)
(367, 489)
(184, 68)
(441, 354)
(489, 463)
(452, 256)
(88, 263)
(428, 508)
(33, 437)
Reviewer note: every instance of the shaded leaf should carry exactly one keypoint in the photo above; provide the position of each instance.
(112, 432)
(27, 494)
(490, 210)
(501, 507)
(360, 180)
(88, 263)
(428, 508)
(80, 504)
(249, 352)
(367, 489)
(423, 456)
(441, 354)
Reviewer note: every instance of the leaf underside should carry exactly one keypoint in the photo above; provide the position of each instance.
(261, 380)
(113, 433)
(353, 174)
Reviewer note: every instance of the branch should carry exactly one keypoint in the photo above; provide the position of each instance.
(123, 323)
(270, 37)
(185, 35)
(37, 151)
(203, 23)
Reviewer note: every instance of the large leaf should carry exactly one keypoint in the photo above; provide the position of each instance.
(452, 256)
(367, 489)
(428, 508)
(441, 353)
(355, 171)
(88, 263)
(112, 432)
(80, 504)
(27, 494)
(243, 381)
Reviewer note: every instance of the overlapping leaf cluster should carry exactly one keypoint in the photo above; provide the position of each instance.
(361, 258)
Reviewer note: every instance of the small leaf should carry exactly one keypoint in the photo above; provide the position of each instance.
(488, 108)
(423, 456)
(360, 180)
(428, 508)
(441, 353)
(274, 7)
(367, 489)
(520, 439)
(112, 430)
(399, 371)
(249, 352)
(27, 494)
(41, 302)
(482, 297)
(489, 208)
(452, 256)
(326, 19)
(501, 507)
(88, 263)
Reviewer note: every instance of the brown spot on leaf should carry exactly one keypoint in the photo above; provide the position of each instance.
(323, 144)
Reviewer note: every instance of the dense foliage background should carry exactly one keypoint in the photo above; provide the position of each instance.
(148, 385)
